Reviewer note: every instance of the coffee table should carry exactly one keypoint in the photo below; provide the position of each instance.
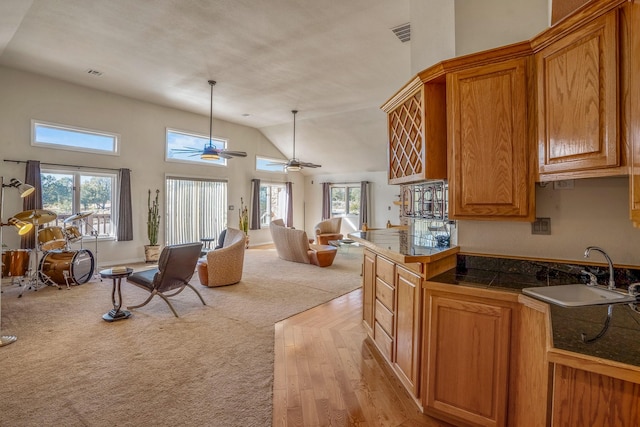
(343, 243)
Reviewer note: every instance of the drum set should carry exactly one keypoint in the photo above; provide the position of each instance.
(55, 262)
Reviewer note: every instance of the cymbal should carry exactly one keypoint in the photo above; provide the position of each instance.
(41, 216)
(78, 216)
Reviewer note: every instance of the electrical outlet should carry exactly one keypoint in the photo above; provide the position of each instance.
(567, 184)
(231, 207)
(541, 226)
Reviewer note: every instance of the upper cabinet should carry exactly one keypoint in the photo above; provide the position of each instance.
(417, 133)
(577, 90)
(490, 174)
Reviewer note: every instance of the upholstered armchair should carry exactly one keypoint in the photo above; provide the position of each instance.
(176, 266)
(223, 266)
(293, 245)
(328, 229)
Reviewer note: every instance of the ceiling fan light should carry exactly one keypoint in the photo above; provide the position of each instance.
(208, 155)
(293, 168)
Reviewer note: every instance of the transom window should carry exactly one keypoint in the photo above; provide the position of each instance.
(67, 193)
(187, 147)
(345, 200)
(272, 202)
(51, 135)
(267, 164)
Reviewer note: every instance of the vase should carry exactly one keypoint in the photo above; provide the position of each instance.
(151, 253)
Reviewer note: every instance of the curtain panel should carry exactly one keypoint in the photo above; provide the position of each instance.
(32, 201)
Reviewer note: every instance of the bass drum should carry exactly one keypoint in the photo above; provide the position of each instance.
(78, 266)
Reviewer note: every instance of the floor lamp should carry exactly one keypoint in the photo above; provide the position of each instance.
(22, 228)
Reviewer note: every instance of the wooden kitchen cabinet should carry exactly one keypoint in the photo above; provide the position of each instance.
(467, 365)
(416, 119)
(368, 289)
(491, 158)
(577, 85)
(582, 398)
(408, 328)
(632, 71)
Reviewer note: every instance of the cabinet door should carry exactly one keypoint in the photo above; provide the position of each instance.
(582, 398)
(577, 100)
(468, 360)
(632, 55)
(490, 173)
(408, 328)
(368, 289)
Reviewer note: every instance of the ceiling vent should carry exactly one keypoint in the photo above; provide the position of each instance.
(93, 72)
(403, 32)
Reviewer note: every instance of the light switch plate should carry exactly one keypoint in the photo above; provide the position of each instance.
(541, 226)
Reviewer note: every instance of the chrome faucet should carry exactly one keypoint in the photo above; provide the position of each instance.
(612, 283)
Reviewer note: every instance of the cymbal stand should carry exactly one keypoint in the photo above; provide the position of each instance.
(94, 233)
(35, 274)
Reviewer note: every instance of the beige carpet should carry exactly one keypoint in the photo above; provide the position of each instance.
(213, 366)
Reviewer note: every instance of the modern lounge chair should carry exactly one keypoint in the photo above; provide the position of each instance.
(223, 266)
(327, 230)
(176, 266)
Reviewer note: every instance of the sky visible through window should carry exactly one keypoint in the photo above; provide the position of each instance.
(54, 135)
(182, 140)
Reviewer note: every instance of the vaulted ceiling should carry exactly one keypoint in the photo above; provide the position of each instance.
(335, 61)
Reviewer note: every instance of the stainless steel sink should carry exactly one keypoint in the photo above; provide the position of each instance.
(578, 295)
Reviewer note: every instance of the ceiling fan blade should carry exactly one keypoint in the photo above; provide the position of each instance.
(309, 165)
(278, 164)
(225, 155)
(233, 153)
(186, 150)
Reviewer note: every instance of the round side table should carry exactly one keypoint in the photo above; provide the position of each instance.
(116, 313)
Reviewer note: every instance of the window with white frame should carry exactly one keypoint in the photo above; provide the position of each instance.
(67, 192)
(187, 147)
(270, 165)
(51, 135)
(345, 200)
(272, 202)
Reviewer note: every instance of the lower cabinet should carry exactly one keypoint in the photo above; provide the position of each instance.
(582, 398)
(368, 288)
(408, 328)
(467, 358)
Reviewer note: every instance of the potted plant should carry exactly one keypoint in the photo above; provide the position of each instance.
(152, 250)
(243, 220)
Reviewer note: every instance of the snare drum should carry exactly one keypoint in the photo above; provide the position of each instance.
(73, 233)
(15, 262)
(52, 238)
(78, 266)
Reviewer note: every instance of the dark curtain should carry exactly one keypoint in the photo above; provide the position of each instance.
(326, 200)
(32, 201)
(125, 218)
(254, 224)
(364, 203)
(289, 208)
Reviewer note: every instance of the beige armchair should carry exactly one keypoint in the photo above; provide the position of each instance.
(293, 245)
(328, 229)
(223, 266)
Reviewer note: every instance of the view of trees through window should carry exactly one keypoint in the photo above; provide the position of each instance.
(345, 200)
(68, 193)
(272, 203)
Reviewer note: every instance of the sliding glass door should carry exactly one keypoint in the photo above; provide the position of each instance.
(196, 209)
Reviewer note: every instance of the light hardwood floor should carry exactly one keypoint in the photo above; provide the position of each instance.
(326, 374)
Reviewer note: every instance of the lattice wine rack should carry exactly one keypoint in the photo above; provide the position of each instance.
(406, 140)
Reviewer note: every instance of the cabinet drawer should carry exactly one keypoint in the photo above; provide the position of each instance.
(384, 317)
(385, 294)
(384, 269)
(383, 341)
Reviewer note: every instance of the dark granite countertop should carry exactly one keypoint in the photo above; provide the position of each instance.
(621, 343)
(403, 245)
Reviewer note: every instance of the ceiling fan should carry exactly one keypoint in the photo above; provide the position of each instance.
(294, 164)
(210, 151)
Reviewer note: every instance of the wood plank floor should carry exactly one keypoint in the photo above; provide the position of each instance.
(327, 375)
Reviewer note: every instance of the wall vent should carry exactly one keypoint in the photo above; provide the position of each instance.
(403, 32)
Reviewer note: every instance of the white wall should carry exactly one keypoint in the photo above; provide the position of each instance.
(594, 212)
(432, 33)
(382, 196)
(142, 127)
(486, 24)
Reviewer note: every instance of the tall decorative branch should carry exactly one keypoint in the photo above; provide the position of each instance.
(153, 219)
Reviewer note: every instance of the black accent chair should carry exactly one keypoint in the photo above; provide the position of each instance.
(176, 266)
